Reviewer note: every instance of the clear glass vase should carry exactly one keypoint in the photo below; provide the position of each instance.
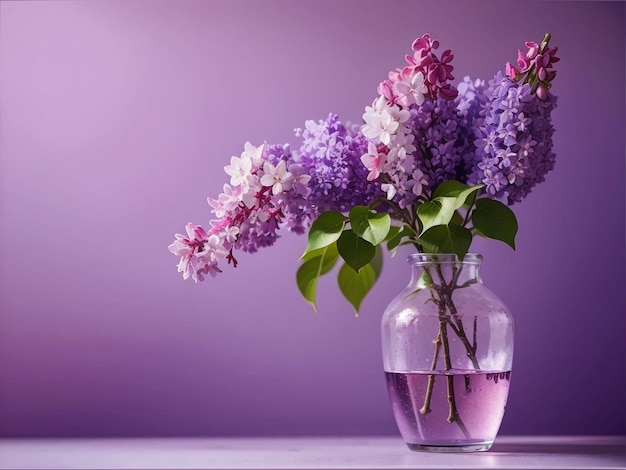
(447, 345)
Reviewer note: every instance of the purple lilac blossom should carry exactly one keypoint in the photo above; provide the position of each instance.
(470, 103)
(440, 131)
(513, 140)
(294, 205)
(331, 155)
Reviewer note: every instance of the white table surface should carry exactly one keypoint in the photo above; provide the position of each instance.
(546, 453)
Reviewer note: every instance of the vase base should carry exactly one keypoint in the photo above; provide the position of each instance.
(451, 448)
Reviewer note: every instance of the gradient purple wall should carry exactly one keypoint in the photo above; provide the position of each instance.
(117, 118)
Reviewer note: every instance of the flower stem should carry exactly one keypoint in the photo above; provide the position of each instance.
(431, 378)
(453, 416)
(459, 329)
(458, 326)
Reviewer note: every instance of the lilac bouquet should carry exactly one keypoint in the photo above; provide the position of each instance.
(432, 165)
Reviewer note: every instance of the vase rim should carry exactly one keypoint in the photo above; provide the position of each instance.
(428, 258)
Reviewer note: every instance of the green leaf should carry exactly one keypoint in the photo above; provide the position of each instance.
(439, 211)
(306, 278)
(370, 225)
(442, 209)
(355, 285)
(457, 219)
(466, 197)
(453, 188)
(308, 274)
(356, 251)
(450, 238)
(326, 229)
(394, 238)
(450, 188)
(495, 220)
(329, 253)
(394, 230)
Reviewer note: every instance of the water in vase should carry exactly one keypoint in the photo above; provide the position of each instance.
(423, 410)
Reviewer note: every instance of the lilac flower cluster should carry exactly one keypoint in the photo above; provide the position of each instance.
(413, 126)
(271, 187)
(513, 140)
(264, 185)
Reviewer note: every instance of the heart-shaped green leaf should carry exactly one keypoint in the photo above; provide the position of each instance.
(454, 188)
(355, 251)
(355, 285)
(317, 263)
(396, 234)
(450, 238)
(495, 220)
(442, 209)
(438, 211)
(326, 229)
(370, 225)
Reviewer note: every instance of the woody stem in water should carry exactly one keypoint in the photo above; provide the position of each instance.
(448, 315)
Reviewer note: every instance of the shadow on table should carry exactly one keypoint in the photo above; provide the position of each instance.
(595, 448)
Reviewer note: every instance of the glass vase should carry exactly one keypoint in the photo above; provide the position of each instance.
(447, 345)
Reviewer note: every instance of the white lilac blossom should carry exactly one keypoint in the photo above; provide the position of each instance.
(419, 134)
(277, 177)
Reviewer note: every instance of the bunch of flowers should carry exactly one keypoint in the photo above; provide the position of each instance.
(432, 165)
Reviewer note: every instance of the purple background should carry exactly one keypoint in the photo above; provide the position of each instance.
(117, 119)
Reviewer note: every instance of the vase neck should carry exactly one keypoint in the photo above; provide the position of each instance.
(444, 269)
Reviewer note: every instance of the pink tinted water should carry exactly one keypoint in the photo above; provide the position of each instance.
(480, 401)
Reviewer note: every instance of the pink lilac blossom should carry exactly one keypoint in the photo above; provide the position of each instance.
(536, 65)
(199, 252)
